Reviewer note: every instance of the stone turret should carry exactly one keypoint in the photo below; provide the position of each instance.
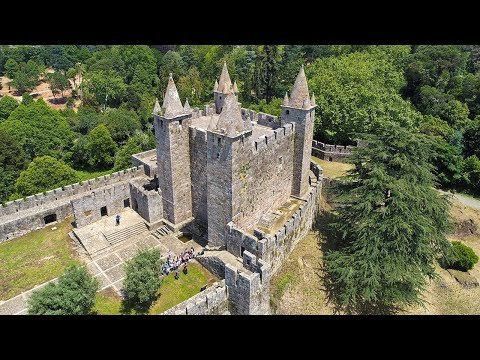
(230, 121)
(222, 88)
(300, 109)
(157, 110)
(228, 146)
(173, 155)
(186, 108)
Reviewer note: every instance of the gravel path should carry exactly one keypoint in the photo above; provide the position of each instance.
(465, 199)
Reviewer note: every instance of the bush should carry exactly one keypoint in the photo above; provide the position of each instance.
(142, 280)
(460, 257)
(7, 105)
(44, 173)
(27, 98)
(74, 294)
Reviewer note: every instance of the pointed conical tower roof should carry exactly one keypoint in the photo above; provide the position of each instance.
(215, 87)
(300, 91)
(224, 83)
(285, 100)
(230, 120)
(312, 100)
(186, 107)
(235, 88)
(157, 110)
(172, 105)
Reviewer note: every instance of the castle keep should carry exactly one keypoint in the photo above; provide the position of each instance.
(239, 182)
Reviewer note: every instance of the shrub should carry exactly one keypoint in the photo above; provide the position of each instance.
(142, 280)
(44, 173)
(74, 294)
(460, 257)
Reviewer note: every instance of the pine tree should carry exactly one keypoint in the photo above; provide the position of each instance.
(391, 225)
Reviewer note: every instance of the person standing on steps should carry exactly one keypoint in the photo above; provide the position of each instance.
(117, 220)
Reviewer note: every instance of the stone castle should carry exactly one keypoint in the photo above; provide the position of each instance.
(239, 182)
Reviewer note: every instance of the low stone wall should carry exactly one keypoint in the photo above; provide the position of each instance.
(261, 118)
(148, 203)
(248, 288)
(211, 301)
(21, 216)
(329, 152)
(87, 209)
(142, 159)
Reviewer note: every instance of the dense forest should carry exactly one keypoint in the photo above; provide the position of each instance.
(109, 93)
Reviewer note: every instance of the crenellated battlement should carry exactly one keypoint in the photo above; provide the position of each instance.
(331, 152)
(211, 301)
(261, 118)
(68, 191)
(279, 134)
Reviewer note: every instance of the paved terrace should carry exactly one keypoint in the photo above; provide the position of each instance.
(108, 268)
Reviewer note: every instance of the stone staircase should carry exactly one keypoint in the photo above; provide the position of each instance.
(162, 231)
(117, 236)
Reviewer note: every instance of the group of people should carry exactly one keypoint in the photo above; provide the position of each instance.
(173, 263)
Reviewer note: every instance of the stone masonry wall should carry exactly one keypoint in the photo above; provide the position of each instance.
(148, 203)
(87, 209)
(274, 248)
(262, 176)
(150, 169)
(329, 152)
(24, 215)
(248, 288)
(219, 185)
(198, 164)
(304, 122)
(212, 301)
(173, 160)
(261, 118)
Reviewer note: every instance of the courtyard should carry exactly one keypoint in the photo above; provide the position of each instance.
(31, 261)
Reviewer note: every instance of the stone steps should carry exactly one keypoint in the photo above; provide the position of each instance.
(125, 233)
(162, 231)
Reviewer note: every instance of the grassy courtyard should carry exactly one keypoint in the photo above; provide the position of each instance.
(172, 292)
(332, 169)
(35, 258)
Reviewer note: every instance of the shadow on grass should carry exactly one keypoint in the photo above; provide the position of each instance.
(329, 240)
(132, 306)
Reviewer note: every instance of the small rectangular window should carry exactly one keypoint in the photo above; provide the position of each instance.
(103, 211)
(50, 218)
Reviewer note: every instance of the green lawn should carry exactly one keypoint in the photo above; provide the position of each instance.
(332, 169)
(172, 292)
(35, 258)
(107, 302)
(87, 175)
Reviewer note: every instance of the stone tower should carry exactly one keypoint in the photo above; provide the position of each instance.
(171, 123)
(227, 144)
(222, 88)
(300, 109)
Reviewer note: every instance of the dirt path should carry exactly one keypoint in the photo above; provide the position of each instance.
(464, 199)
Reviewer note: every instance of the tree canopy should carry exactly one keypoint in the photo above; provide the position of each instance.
(391, 224)
(42, 174)
(39, 129)
(74, 294)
